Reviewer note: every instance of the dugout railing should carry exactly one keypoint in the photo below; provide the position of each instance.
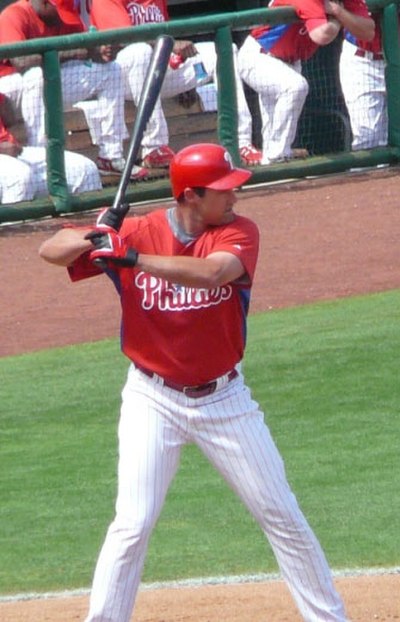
(222, 28)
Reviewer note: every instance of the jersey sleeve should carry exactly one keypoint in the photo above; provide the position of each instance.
(83, 268)
(13, 26)
(312, 12)
(242, 240)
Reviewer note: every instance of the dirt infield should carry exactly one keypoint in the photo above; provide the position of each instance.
(368, 599)
(320, 239)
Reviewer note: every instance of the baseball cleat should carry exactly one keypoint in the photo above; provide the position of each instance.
(250, 155)
(116, 167)
(159, 158)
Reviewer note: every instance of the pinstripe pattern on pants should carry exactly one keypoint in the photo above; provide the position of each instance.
(229, 429)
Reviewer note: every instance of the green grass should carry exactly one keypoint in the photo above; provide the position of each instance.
(326, 376)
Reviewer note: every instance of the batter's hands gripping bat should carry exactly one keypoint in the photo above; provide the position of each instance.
(114, 216)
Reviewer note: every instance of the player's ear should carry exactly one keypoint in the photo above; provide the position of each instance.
(189, 195)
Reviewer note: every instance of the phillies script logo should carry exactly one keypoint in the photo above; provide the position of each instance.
(165, 296)
(141, 14)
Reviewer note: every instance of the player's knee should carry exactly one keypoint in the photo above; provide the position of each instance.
(298, 89)
(33, 79)
(82, 173)
(301, 86)
(134, 54)
(18, 186)
(132, 529)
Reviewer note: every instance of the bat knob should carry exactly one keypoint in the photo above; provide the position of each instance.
(100, 263)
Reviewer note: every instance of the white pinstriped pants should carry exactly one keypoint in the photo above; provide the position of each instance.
(364, 90)
(282, 91)
(229, 429)
(134, 61)
(25, 177)
(81, 81)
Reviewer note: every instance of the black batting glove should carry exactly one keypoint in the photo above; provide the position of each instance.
(110, 247)
(110, 220)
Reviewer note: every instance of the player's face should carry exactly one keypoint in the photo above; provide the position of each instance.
(47, 12)
(216, 207)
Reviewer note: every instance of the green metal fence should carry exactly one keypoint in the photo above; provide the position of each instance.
(221, 27)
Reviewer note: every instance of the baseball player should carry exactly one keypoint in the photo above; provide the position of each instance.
(184, 277)
(270, 62)
(180, 77)
(362, 77)
(82, 78)
(23, 170)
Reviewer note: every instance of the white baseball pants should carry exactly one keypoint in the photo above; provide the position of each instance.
(229, 429)
(282, 91)
(25, 177)
(80, 81)
(134, 61)
(364, 91)
(12, 86)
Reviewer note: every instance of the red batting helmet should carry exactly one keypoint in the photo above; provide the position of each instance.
(205, 165)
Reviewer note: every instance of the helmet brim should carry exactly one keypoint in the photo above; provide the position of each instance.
(234, 179)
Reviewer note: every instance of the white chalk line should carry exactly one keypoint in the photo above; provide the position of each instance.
(201, 582)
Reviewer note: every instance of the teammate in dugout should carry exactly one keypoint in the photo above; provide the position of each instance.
(184, 276)
(86, 74)
(23, 170)
(362, 77)
(270, 63)
(181, 78)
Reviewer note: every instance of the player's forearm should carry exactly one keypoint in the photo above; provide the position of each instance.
(360, 27)
(189, 271)
(23, 63)
(75, 54)
(326, 33)
(64, 247)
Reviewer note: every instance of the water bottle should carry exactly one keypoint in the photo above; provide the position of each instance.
(202, 77)
(200, 73)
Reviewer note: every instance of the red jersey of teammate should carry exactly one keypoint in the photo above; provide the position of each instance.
(19, 22)
(291, 42)
(5, 135)
(106, 14)
(163, 323)
(375, 45)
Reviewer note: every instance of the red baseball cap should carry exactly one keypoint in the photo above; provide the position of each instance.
(69, 11)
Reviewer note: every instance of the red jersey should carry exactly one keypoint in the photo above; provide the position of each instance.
(106, 14)
(186, 335)
(19, 22)
(291, 42)
(375, 45)
(5, 135)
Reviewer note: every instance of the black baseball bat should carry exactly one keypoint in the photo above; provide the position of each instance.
(148, 97)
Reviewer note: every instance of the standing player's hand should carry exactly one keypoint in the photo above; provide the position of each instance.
(110, 221)
(333, 7)
(110, 247)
